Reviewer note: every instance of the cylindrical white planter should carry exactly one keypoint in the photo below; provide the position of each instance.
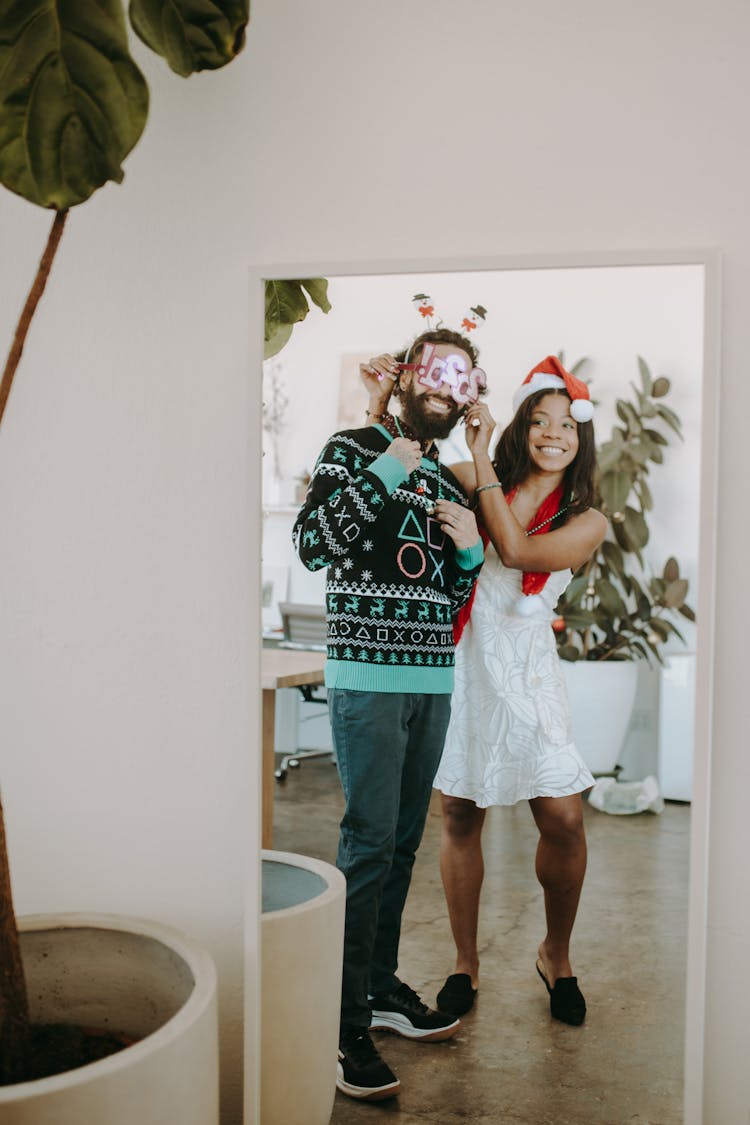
(601, 694)
(134, 976)
(302, 941)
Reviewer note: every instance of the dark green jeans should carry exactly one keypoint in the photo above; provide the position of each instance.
(388, 747)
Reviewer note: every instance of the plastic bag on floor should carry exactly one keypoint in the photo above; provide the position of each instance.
(623, 797)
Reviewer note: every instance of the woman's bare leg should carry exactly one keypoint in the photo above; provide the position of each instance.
(560, 868)
(462, 871)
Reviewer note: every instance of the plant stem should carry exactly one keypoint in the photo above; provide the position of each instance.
(14, 1006)
(35, 293)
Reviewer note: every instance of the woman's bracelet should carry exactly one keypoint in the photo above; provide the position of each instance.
(484, 487)
(369, 414)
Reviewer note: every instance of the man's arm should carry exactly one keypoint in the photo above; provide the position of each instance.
(345, 499)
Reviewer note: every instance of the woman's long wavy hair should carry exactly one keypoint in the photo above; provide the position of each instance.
(512, 461)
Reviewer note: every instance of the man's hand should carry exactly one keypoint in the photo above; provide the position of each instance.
(458, 523)
(378, 377)
(408, 452)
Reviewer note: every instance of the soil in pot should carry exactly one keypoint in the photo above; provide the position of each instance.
(56, 1048)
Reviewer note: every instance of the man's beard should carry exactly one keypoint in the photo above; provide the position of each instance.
(425, 424)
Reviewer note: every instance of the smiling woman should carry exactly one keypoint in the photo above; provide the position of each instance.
(602, 310)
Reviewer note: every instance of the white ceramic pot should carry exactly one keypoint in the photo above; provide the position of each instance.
(601, 694)
(302, 942)
(129, 975)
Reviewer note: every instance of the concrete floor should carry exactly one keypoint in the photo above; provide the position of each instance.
(510, 1062)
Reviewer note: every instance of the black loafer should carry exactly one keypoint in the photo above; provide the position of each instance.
(566, 1002)
(456, 997)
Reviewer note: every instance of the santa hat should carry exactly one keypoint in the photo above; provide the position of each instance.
(550, 375)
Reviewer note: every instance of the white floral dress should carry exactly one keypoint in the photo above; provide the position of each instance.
(510, 737)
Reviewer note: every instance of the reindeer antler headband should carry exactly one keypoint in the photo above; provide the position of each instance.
(432, 370)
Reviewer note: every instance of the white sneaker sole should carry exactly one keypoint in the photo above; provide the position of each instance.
(402, 1025)
(365, 1093)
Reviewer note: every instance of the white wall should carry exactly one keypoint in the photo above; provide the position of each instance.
(129, 455)
(126, 740)
(608, 315)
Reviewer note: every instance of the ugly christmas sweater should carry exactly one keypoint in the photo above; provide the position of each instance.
(395, 579)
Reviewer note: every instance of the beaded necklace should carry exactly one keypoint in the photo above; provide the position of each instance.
(420, 484)
(539, 526)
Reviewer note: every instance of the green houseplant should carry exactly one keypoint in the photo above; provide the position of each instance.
(614, 609)
(73, 104)
(616, 612)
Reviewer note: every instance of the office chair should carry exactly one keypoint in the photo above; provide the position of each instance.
(304, 627)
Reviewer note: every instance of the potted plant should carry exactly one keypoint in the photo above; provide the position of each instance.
(150, 985)
(73, 104)
(615, 611)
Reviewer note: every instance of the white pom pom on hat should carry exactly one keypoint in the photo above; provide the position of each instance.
(550, 375)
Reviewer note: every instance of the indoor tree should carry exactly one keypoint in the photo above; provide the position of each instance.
(615, 608)
(73, 104)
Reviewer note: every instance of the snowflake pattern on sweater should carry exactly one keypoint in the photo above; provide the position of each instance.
(395, 580)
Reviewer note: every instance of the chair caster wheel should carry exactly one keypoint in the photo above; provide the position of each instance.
(294, 763)
(280, 775)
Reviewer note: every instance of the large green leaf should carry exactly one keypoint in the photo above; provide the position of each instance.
(626, 411)
(636, 528)
(613, 556)
(317, 287)
(72, 101)
(609, 599)
(575, 589)
(670, 418)
(276, 340)
(286, 305)
(661, 627)
(675, 593)
(578, 619)
(610, 453)
(192, 35)
(615, 489)
(671, 570)
(644, 495)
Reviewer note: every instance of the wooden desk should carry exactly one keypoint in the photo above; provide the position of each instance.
(281, 668)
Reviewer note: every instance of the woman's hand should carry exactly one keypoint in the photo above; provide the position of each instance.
(378, 377)
(457, 522)
(479, 427)
(408, 452)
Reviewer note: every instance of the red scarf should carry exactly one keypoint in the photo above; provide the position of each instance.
(533, 581)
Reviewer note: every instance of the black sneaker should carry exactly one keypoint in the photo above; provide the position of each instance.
(403, 1012)
(361, 1073)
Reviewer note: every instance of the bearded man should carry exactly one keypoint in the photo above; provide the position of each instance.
(393, 526)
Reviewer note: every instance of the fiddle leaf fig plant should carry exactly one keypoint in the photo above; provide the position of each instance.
(614, 608)
(73, 104)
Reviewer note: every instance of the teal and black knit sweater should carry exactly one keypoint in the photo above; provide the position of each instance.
(395, 580)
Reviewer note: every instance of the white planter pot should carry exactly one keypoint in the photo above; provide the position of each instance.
(601, 694)
(302, 942)
(128, 975)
